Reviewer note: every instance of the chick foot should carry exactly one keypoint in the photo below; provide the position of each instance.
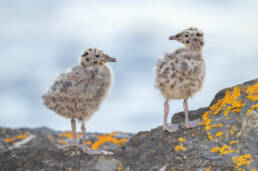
(171, 127)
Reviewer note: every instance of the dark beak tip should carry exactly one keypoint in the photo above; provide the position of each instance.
(112, 59)
(172, 38)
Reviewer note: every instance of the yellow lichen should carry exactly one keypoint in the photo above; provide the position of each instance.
(208, 169)
(180, 147)
(241, 169)
(215, 149)
(228, 118)
(219, 134)
(253, 169)
(181, 139)
(216, 107)
(233, 142)
(210, 137)
(105, 138)
(88, 142)
(223, 150)
(246, 159)
(119, 166)
(18, 137)
(232, 131)
(252, 92)
(253, 107)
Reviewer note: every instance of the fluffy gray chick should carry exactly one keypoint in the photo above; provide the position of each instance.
(180, 74)
(78, 93)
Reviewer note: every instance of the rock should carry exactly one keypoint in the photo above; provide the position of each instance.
(227, 139)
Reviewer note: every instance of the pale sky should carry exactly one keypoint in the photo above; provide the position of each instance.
(40, 39)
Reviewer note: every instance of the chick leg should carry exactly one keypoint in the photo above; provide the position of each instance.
(189, 124)
(168, 127)
(73, 124)
(86, 149)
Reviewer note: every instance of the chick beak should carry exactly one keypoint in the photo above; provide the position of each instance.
(174, 37)
(110, 59)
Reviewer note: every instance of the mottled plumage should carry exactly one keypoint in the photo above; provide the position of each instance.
(180, 74)
(78, 93)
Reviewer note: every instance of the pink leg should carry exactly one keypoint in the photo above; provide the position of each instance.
(189, 124)
(83, 130)
(73, 123)
(168, 127)
(86, 149)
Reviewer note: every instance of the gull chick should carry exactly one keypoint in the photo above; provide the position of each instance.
(78, 93)
(180, 74)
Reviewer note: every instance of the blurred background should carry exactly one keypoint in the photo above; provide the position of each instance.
(40, 39)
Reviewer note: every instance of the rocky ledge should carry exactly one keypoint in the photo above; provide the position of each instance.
(225, 140)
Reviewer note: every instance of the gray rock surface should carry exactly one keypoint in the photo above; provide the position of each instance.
(227, 139)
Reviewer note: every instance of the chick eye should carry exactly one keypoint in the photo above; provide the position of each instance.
(85, 54)
(97, 56)
(187, 41)
(198, 34)
(186, 35)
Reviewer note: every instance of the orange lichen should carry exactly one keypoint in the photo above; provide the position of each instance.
(253, 107)
(208, 127)
(181, 139)
(246, 159)
(105, 138)
(223, 150)
(18, 137)
(210, 137)
(88, 142)
(180, 147)
(252, 92)
(60, 141)
(68, 134)
(232, 131)
(253, 169)
(228, 118)
(216, 107)
(219, 134)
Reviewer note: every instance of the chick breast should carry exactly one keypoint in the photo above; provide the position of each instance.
(180, 74)
(79, 92)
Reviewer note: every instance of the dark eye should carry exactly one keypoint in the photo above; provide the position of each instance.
(177, 35)
(187, 41)
(87, 59)
(186, 35)
(198, 34)
(85, 54)
(97, 56)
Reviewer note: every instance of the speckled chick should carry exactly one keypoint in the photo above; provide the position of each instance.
(180, 74)
(78, 93)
